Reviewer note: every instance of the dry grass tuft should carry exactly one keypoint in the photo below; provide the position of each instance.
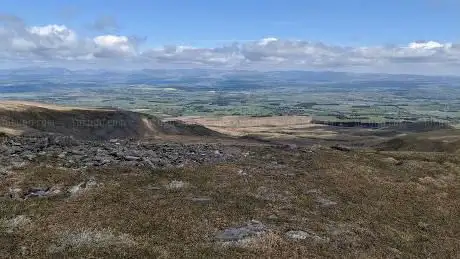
(16, 223)
(267, 243)
(70, 240)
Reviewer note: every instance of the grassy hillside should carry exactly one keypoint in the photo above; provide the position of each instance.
(312, 195)
(89, 123)
(434, 141)
(352, 204)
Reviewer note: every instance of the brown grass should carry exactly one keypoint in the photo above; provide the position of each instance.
(25, 105)
(244, 125)
(385, 209)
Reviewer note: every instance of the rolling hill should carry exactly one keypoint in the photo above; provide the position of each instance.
(28, 118)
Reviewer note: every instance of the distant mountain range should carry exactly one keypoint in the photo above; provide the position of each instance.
(208, 76)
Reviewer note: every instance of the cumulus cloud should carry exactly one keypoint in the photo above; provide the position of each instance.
(58, 43)
(221, 56)
(113, 46)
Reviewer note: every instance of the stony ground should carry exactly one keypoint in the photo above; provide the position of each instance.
(63, 198)
(71, 153)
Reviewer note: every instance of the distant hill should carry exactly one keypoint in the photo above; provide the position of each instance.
(181, 128)
(434, 141)
(27, 118)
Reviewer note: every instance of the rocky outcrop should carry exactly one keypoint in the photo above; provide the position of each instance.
(69, 152)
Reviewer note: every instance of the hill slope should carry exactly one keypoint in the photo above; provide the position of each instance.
(26, 118)
(434, 141)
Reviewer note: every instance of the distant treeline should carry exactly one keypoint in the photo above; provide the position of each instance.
(398, 124)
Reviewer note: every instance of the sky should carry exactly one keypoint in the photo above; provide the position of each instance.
(415, 36)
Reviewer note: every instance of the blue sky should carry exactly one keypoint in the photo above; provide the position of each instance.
(420, 36)
(205, 22)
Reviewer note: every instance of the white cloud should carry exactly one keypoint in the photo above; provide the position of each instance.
(61, 32)
(266, 41)
(22, 45)
(425, 45)
(113, 46)
(58, 43)
(112, 41)
(223, 56)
